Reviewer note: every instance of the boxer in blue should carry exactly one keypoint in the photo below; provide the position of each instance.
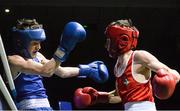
(28, 65)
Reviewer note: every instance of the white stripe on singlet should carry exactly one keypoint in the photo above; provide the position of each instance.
(33, 103)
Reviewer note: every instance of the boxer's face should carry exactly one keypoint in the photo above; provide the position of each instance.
(34, 47)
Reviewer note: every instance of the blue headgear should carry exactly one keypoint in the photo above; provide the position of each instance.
(23, 37)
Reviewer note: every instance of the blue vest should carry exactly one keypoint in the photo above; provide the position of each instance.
(29, 86)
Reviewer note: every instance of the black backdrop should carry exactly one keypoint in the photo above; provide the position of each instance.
(159, 34)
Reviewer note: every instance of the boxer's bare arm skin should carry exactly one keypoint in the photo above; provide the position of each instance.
(19, 64)
(151, 62)
(63, 72)
(114, 97)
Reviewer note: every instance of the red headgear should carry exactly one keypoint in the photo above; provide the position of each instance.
(121, 39)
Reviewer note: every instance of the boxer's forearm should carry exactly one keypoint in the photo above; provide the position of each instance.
(114, 97)
(66, 72)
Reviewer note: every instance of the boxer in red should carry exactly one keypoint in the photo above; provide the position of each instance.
(132, 71)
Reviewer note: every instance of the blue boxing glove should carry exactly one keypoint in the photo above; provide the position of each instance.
(96, 70)
(72, 34)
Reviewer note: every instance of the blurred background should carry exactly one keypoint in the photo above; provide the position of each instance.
(157, 21)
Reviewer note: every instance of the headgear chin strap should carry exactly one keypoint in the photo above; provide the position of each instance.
(23, 37)
(122, 38)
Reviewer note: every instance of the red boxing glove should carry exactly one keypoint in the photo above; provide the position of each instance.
(163, 84)
(87, 96)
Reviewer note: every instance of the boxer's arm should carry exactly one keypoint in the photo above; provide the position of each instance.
(87, 96)
(96, 70)
(63, 72)
(66, 72)
(48, 69)
(29, 66)
(150, 61)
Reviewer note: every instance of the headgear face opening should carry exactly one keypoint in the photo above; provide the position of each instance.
(23, 37)
(122, 38)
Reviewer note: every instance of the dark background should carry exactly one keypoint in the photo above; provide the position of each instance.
(157, 20)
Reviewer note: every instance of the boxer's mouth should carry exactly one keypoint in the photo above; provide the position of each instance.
(34, 52)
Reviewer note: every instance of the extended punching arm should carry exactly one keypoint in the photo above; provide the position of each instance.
(87, 96)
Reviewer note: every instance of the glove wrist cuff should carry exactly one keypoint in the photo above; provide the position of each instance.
(83, 70)
(60, 54)
(103, 97)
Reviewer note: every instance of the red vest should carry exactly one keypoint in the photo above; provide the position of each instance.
(131, 90)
